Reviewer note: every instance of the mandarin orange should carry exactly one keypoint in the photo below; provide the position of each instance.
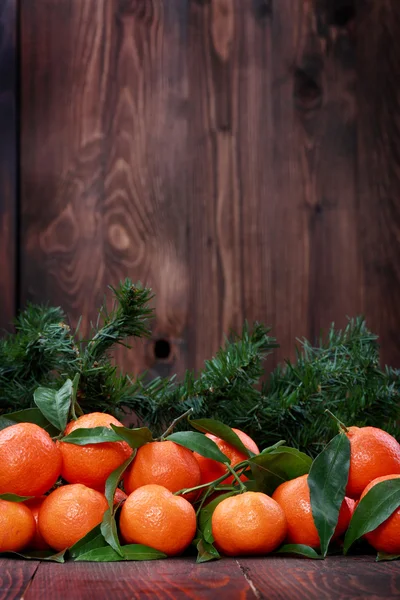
(386, 537)
(91, 464)
(251, 523)
(166, 464)
(153, 516)
(294, 498)
(69, 513)
(212, 469)
(373, 453)
(30, 460)
(17, 526)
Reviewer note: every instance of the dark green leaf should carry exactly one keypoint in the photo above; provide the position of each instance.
(205, 517)
(129, 552)
(384, 556)
(281, 464)
(199, 443)
(91, 435)
(206, 552)
(108, 528)
(38, 555)
(114, 479)
(298, 549)
(222, 431)
(74, 401)
(376, 506)
(91, 537)
(29, 415)
(327, 481)
(14, 498)
(134, 437)
(55, 405)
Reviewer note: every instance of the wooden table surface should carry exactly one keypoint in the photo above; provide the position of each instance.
(270, 578)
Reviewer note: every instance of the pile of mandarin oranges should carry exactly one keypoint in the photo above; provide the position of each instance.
(61, 493)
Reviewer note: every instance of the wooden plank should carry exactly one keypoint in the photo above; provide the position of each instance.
(378, 55)
(315, 263)
(64, 64)
(337, 577)
(172, 578)
(15, 577)
(8, 161)
(145, 205)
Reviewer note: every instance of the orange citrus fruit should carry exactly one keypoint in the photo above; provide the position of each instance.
(91, 464)
(294, 498)
(69, 513)
(17, 526)
(212, 469)
(30, 460)
(34, 505)
(249, 523)
(386, 537)
(153, 516)
(166, 464)
(373, 453)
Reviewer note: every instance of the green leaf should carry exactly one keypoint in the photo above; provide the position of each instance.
(327, 481)
(206, 551)
(134, 437)
(272, 468)
(376, 506)
(75, 405)
(108, 529)
(91, 435)
(384, 556)
(114, 479)
(199, 443)
(93, 539)
(222, 431)
(14, 498)
(29, 415)
(205, 517)
(55, 404)
(38, 555)
(300, 549)
(129, 552)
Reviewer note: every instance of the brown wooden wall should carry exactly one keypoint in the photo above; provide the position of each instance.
(242, 157)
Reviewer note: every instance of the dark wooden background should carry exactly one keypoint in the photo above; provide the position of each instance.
(241, 157)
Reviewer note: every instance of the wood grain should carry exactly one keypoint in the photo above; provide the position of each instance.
(238, 156)
(64, 73)
(168, 579)
(15, 577)
(8, 161)
(336, 577)
(378, 161)
(275, 578)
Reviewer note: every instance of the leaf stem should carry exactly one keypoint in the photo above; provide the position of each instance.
(175, 422)
(236, 476)
(341, 425)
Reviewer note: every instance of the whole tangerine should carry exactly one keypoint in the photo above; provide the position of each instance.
(211, 469)
(92, 464)
(163, 463)
(373, 453)
(251, 523)
(386, 537)
(294, 498)
(69, 513)
(30, 461)
(153, 516)
(17, 526)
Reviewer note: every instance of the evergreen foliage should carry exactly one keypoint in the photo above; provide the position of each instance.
(341, 373)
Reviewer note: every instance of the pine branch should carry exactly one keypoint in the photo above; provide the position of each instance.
(225, 388)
